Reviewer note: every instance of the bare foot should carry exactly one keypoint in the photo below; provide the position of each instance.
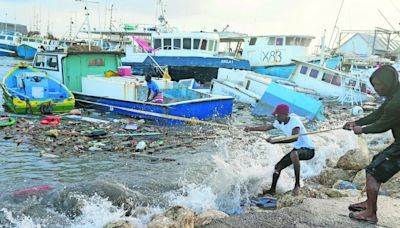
(358, 206)
(268, 192)
(364, 216)
(296, 191)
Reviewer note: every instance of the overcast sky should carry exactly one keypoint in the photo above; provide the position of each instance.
(254, 17)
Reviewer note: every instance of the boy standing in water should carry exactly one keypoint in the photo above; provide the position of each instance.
(303, 146)
(154, 93)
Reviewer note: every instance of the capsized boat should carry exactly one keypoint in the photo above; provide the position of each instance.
(27, 90)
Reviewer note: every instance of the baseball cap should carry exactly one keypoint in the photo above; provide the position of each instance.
(281, 109)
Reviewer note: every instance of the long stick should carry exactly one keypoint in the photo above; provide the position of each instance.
(157, 114)
(280, 139)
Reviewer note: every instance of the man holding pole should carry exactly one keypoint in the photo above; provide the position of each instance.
(303, 149)
(386, 163)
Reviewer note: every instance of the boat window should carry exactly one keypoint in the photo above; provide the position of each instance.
(271, 41)
(187, 43)
(196, 43)
(9, 38)
(210, 45)
(45, 42)
(167, 44)
(2, 37)
(297, 41)
(303, 70)
(157, 43)
(289, 41)
(332, 79)
(25, 39)
(253, 41)
(307, 42)
(203, 44)
(96, 62)
(51, 62)
(216, 45)
(177, 44)
(39, 62)
(31, 40)
(314, 73)
(363, 88)
(279, 41)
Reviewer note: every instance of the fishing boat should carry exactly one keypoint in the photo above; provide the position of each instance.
(344, 87)
(85, 74)
(5, 52)
(26, 51)
(185, 54)
(27, 90)
(271, 55)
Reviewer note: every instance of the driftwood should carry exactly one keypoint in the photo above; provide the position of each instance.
(153, 158)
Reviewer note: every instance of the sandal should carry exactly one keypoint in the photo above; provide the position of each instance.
(353, 207)
(360, 218)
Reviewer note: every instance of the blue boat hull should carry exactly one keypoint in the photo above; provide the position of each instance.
(284, 71)
(4, 52)
(299, 103)
(203, 69)
(202, 109)
(8, 47)
(26, 52)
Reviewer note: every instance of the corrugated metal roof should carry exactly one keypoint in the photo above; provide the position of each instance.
(380, 43)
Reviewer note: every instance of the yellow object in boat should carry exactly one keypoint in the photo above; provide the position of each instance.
(167, 76)
(110, 73)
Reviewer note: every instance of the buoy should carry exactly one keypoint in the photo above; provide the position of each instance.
(357, 111)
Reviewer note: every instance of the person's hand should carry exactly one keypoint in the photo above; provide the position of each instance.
(357, 130)
(349, 125)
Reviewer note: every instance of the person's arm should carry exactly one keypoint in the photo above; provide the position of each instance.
(371, 118)
(148, 94)
(154, 94)
(387, 120)
(295, 131)
(260, 128)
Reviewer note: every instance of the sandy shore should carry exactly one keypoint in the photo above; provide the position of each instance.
(315, 213)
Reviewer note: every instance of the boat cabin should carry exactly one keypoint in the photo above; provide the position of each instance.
(276, 49)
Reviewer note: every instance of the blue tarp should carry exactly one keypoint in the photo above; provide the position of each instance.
(299, 103)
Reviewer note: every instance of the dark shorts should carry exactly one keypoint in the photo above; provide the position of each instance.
(304, 154)
(385, 164)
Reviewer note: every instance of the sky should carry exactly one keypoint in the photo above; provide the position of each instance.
(253, 17)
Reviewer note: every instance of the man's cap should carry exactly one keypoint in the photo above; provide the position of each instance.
(281, 109)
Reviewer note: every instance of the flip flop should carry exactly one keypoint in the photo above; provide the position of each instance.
(352, 207)
(357, 217)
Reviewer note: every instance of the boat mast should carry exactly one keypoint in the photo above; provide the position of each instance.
(86, 22)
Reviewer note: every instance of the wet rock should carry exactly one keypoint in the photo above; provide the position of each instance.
(208, 216)
(359, 179)
(329, 176)
(177, 216)
(330, 162)
(332, 193)
(353, 160)
(288, 201)
(119, 224)
(52, 133)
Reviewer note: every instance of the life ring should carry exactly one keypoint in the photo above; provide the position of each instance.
(11, 121)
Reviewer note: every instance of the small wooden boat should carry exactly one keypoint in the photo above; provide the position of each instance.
(27, 90)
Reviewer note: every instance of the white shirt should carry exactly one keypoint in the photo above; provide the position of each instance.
(294, 121)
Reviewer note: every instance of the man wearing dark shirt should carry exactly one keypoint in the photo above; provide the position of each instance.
(386, 163)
